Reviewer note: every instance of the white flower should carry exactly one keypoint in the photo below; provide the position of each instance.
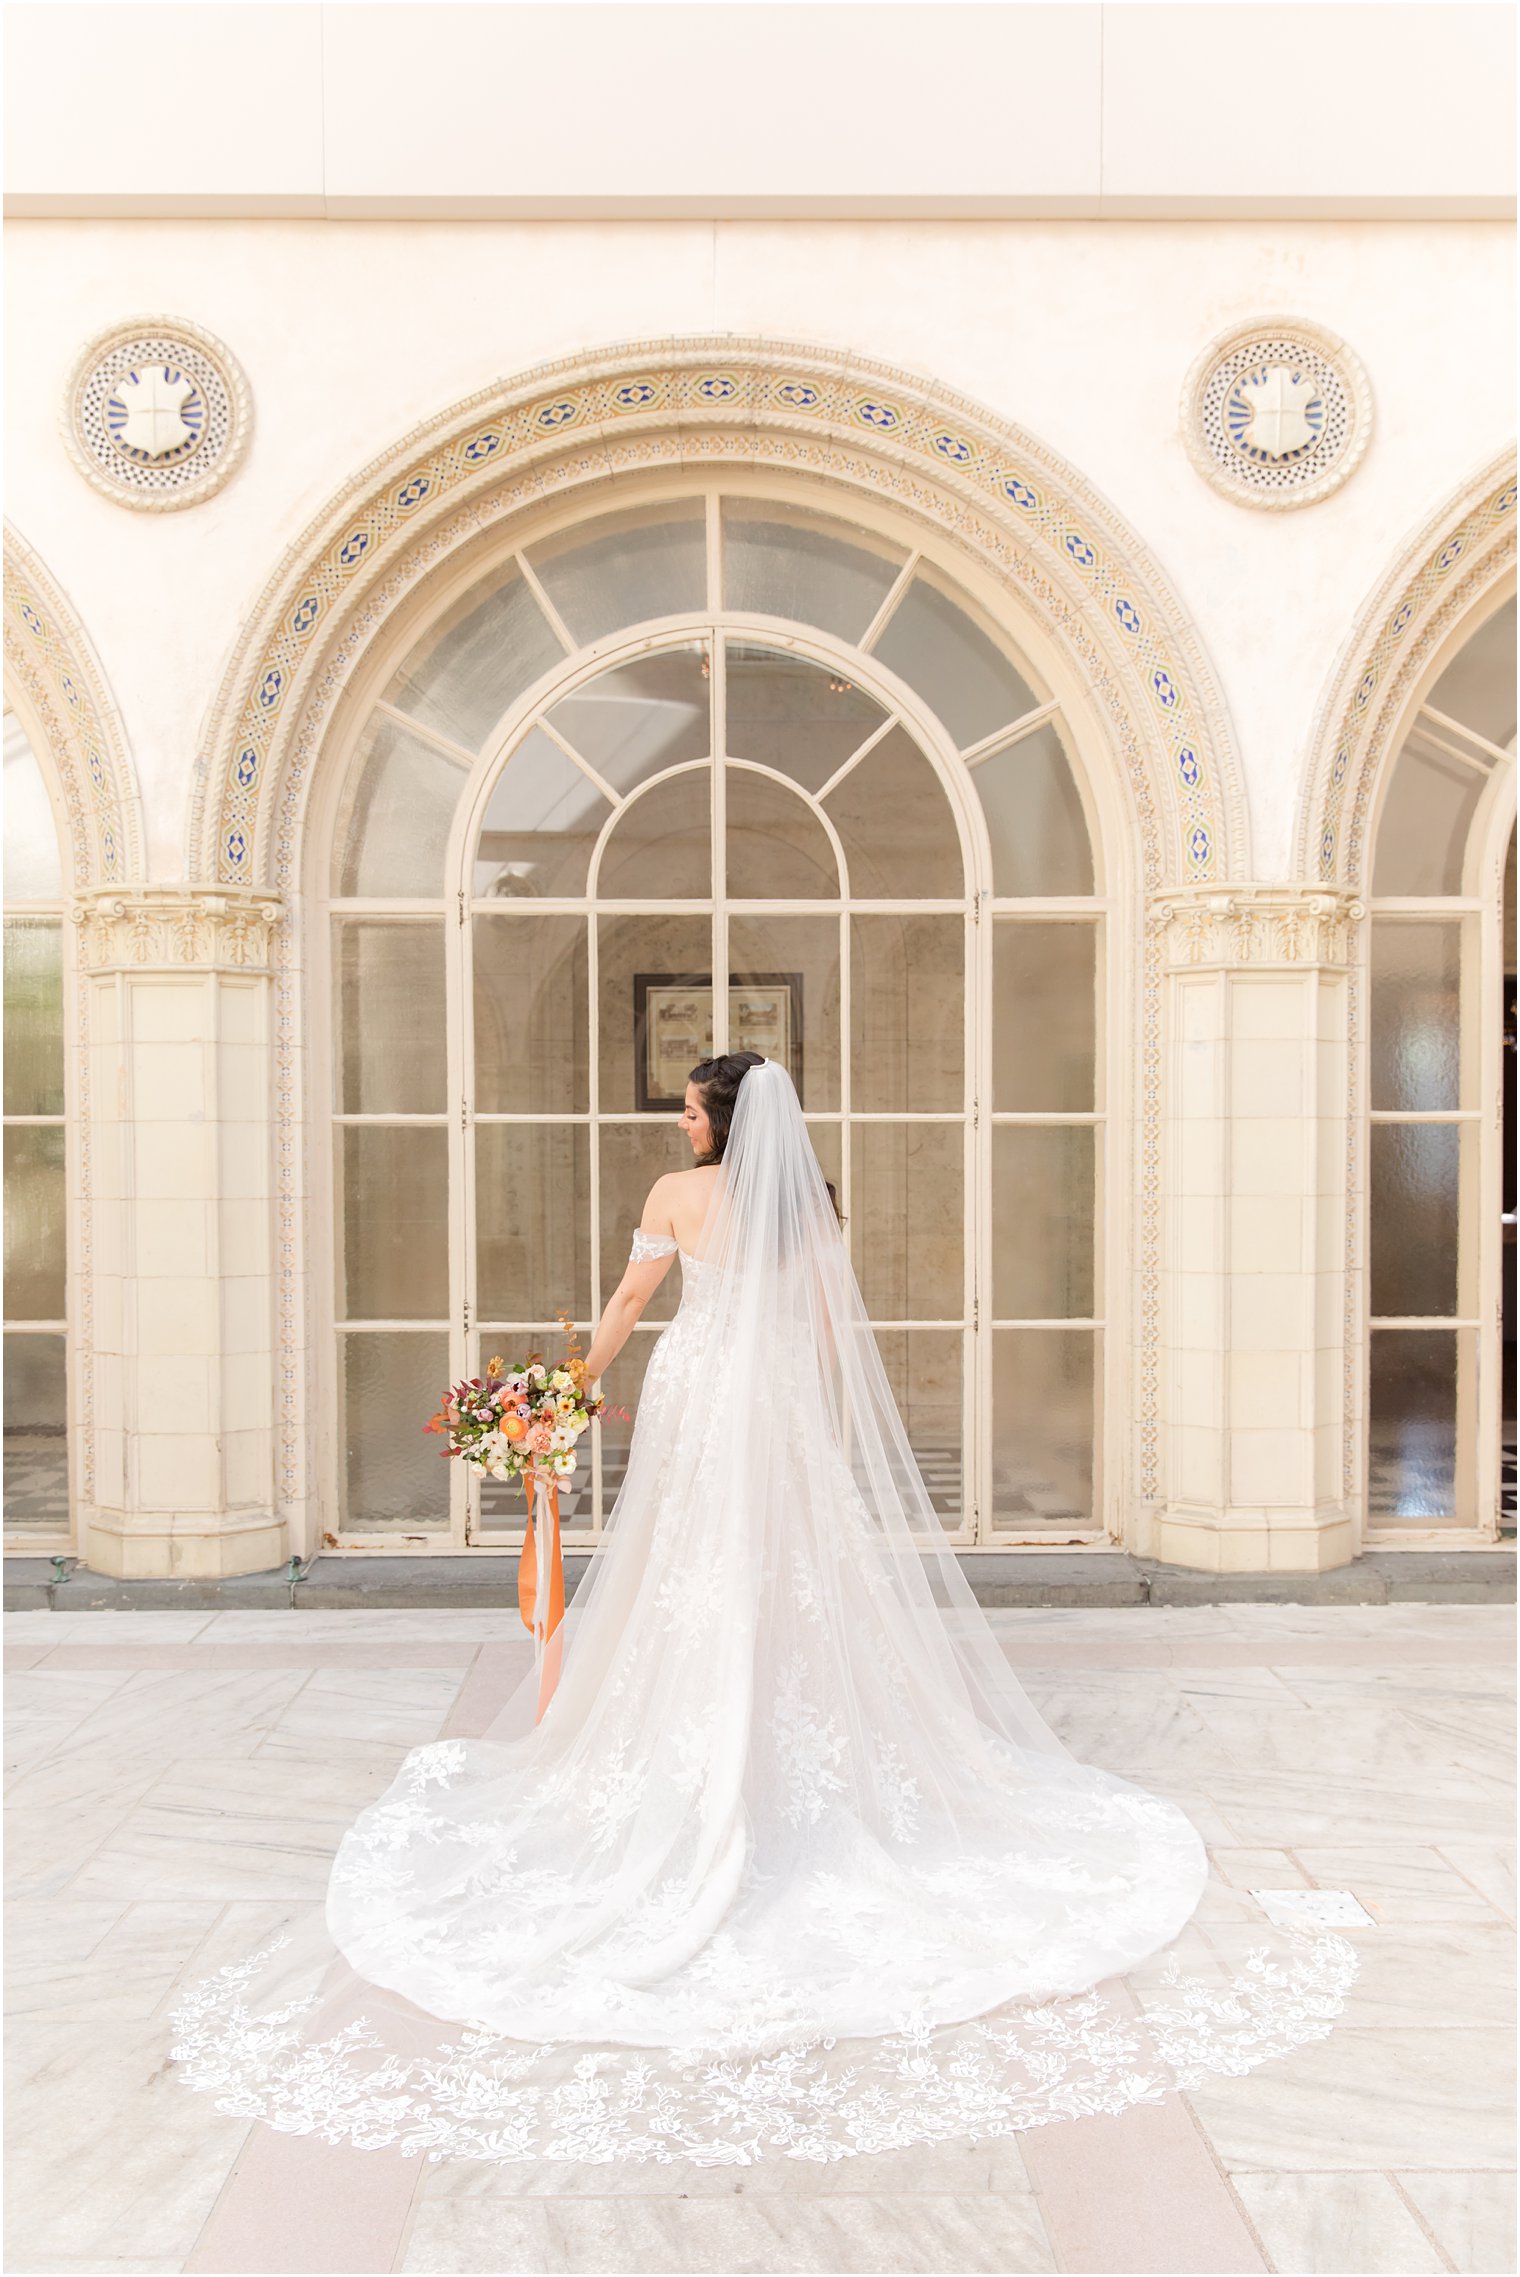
(538, 1373)
(563, 1463)
(561, 1379)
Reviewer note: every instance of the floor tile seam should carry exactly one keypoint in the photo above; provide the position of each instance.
(1439, 1848)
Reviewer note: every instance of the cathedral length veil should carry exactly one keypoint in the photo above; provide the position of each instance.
(791, 1865)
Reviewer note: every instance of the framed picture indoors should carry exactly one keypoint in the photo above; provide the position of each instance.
(673, 1028)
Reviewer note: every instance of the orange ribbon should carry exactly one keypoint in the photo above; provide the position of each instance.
(547, 1640)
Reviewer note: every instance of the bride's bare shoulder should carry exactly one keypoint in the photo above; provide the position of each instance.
(673, 1195)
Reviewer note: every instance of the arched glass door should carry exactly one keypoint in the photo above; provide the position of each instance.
(711, 774)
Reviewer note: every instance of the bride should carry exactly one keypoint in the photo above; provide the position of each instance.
(790, 1862)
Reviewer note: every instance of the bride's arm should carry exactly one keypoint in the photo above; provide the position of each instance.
(635, 1289)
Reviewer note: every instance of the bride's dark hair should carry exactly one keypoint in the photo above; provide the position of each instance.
(718, 1080)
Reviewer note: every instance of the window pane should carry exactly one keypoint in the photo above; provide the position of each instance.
(933, 641)
(1043, 1200)
(394, 1480)
(899, 836)
(799, 1024)
(638, 718)
(1044, 1017)
(392, 1049)
(648, 1043)
(1412, 1424)
(34, 1222)
(33, 862)
(394, 831)
(1034, 817)
(797, 717)
(463, 675)
(394, 1202)
(1422, 835)
(540, 824)
(924, 1370)
(623, 569)
(660, 847)
(1415, 1172)
(1416, 1014)
(36, 1435)
(907, 1219)
(33, 1017)
(530, 1016)
(532, 1200)
(1043, 1425)
(634, 1155)
(1478, 686)
(781, 562)
(907, 1014)
(777, 847)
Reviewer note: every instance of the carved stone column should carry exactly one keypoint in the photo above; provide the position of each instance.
(1255, 1203)
(177, 983)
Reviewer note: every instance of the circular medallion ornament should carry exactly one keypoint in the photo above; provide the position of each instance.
(156, 413)
(1276, 412)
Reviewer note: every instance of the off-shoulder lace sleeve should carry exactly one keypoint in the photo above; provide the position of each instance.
(647, 1245)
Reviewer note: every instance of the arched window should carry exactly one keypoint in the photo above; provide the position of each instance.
(1441, 1370)
(712, 772)
(36, 1406)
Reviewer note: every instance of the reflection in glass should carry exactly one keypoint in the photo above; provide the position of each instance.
(1416, 1014)
(1044, 1420)
(393, 1054)
(934, 642)
(907, 1219)
(923, 1367)
(34, 1222)
(779, 561)
(393, 833)
(33, 1016)
(777, 847)
(1412, 1424)
(1478, 686)
(36, 1435)
(634, 1155)
(894, 820)
(1043, 1199)
(660, 846)
(637, 718)
(33, 861)
(623, 569)
(393, 1199)
(530, 1015)
(532, 1195)
(476, 661)
(394, 1481)
(759, 948)
(803, 719)
(656, 947)
(1422, 834)
(907, 1014)
(1415, 1169)
(1044, 1017)
(540, 824)
(1034, 817)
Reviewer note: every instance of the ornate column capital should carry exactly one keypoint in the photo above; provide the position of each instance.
(1276, 926)
(176, 928)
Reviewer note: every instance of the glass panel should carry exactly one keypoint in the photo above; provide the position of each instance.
(1043, 1198)
(34, 1017)
(1415, 1172)
(781, 562)
(394, 831)
(777, 847)
(36, 1435)
(907, 1219)
(660, 847)
(623, 569)
(933, 641)
(34, 1222)
(540, 824)
(634, 1155)
(895, 823)
(394, 1481)
(828, 1146)
(33, 861)
(477, 661)
(1416, 1014)
(907, 1014)
(638, 718)
(1044, 1418)
(394, 1201)
(1034, 817)
(1478, 686)
(653, 1010)
(796, 1023)
(1422, 834)
(1412, 1425)
(800, 718)
(532, 1200)
(1044, 1017)
(924, 1370)
(530, 1016)
(392, 1056)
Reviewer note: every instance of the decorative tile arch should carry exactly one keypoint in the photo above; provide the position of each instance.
(1033, 523)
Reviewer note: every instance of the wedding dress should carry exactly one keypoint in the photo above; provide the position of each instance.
(791, 1863)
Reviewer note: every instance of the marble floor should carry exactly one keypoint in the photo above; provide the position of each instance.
(179, 1780)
